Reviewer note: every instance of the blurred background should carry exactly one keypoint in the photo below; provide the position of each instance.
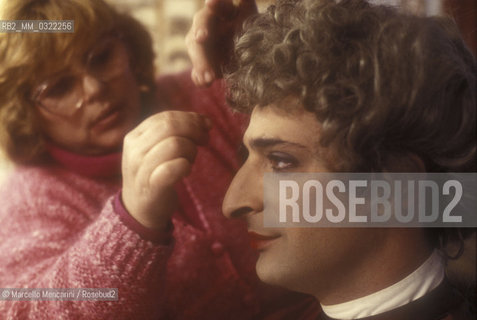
(169, 20)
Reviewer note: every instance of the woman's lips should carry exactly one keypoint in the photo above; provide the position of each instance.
(260, 241)
(107, 118)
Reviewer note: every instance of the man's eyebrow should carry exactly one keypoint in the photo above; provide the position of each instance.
(261, 143)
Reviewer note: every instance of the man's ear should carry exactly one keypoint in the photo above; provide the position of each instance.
(404, 162)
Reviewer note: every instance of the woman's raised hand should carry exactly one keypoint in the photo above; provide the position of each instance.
(157, 154)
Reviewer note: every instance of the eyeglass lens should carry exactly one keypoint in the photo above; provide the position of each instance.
(62, 93)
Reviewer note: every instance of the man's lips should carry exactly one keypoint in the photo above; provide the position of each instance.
(260, 241)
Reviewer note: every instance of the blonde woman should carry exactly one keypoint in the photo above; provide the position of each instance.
(98, 197)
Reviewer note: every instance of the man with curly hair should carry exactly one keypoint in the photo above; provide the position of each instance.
(345, 86)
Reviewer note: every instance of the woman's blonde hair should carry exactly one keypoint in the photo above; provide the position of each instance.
(27, 58)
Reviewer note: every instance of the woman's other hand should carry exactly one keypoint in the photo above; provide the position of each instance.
(210, 39)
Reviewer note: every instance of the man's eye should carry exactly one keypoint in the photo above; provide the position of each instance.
(281, 161)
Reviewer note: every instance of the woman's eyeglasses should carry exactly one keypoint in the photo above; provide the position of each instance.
(63, 94)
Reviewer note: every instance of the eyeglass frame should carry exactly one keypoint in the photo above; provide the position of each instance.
(42, 87)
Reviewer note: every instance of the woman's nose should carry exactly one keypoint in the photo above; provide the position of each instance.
(92, 87)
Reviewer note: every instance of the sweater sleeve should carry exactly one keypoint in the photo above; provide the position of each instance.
(60, 230)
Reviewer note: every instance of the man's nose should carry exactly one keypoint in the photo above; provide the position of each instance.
(245, 194)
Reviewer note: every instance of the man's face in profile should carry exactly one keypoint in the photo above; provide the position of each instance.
(304, 259)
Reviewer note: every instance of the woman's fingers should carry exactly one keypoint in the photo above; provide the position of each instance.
(156, 155)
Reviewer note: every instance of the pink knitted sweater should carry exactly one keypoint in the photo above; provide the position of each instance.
(63, 226)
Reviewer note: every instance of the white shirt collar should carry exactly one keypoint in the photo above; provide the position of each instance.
(425, 278)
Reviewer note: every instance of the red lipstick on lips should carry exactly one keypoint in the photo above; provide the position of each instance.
(259, 241)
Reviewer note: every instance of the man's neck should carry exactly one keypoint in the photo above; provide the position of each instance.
(401, 252)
